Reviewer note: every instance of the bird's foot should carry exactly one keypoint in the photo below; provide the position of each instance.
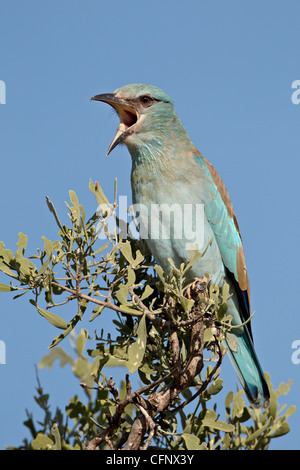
(196, 288)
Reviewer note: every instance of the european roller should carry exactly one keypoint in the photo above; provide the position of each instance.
(169, 171)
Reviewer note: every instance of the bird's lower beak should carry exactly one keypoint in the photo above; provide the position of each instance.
(127, 114)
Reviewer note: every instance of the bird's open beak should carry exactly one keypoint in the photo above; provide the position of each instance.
(127, 113)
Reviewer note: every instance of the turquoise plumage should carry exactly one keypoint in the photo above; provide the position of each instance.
(169, 172)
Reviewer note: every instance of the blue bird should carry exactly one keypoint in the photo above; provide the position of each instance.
(169, 172)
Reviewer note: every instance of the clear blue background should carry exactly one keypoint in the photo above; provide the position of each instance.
(229, 67)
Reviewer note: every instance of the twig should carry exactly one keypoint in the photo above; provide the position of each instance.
(109, 304)
(95, 442)
(110, 388)
(104, 303)
(115, 420)
(151, 425)
(107, 439)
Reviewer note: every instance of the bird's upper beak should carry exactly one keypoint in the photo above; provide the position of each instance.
(127, 113)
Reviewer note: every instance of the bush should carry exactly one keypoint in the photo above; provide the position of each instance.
(166, 331)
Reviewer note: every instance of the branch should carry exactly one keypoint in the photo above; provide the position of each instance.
(160, 400)
(206, 381)
(76, 293)
(130, 398)
(151, 425)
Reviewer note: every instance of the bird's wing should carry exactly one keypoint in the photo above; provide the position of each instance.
(221, 216)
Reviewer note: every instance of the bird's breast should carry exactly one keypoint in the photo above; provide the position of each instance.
(171, 215)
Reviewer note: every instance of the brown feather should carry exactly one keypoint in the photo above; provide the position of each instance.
(243, 279)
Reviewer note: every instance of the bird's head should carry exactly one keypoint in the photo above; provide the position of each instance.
(144, 111)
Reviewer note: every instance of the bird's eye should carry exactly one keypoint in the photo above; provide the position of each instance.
(146, 100)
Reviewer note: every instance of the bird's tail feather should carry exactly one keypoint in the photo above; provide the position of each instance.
(249, 371)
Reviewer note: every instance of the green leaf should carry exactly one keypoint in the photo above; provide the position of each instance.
(245, 415)
(187, 304)
(98, 192)
(74, 200)
(228, 400)
(5, 269)
(131, 277)
(80, 341)
(22, 243)
(52, 209)
(259, 432)
(226, 441)
(57, 353)
(82, 369)
(47, 246)
(193, 442)
(125, 249)
(215, 388)
(101, 249)
(208, 336)
(42, 442)
(70, 326)
(122, 294)
(75, 210)
(112, 361)
(5, 288)
(56, 434)
(273, 405)
(290, 411)
(238, 405)
(214, 293)
(52, 318)
(225, 292)
(283, 388)
(131, 310)
(44, 267)
(193, 256)
(96, 312)
(281, 431)
(26, 267)
(6, 254)
(218, 424)
(137, 349)
(139, 258)
(82, 212)
(221, 312)
(147, 292)
(232, 342)
(160, 273)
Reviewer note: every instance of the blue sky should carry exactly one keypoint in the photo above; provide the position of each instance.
(229, 67)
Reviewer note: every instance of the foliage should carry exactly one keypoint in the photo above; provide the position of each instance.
(165, 330)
